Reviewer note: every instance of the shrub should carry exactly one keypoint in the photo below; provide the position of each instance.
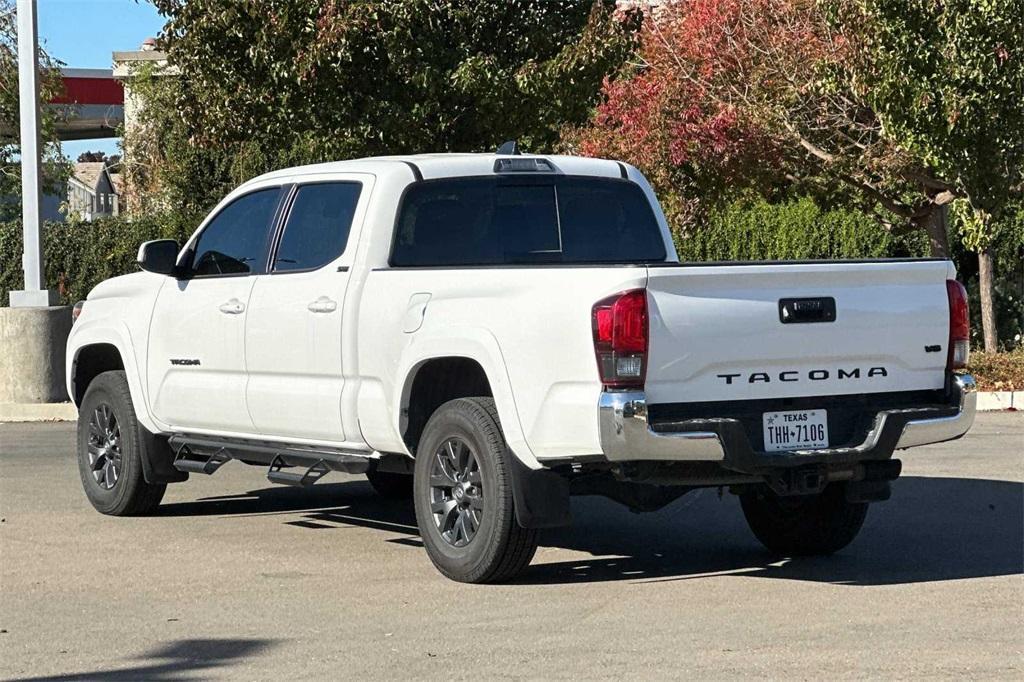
(80, 255)
(998, 371)
(797, 229)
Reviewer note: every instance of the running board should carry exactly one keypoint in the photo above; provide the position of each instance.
(186, 460)
(276, 474)
(206, 454)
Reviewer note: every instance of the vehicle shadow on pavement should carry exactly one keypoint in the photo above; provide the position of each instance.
(932, 529)
(319, 507)
(186, 659)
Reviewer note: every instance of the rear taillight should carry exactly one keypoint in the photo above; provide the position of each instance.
(959, 326)
(620, 338)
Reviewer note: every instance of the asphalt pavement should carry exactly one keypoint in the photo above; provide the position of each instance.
(236, 578)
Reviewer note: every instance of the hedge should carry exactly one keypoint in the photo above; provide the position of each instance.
(799, 229)
(79, 255)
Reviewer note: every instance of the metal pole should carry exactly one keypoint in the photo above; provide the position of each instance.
(31, 193)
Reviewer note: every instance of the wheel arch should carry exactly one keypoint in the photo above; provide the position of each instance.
(474, 353)
(432, 383)
(93, 350)
(89, 362)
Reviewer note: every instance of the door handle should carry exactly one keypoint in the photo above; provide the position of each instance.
(232, 307)
(322, 305)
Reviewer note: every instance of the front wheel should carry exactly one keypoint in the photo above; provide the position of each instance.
(804, 525)
(110, 450)
(462, 489)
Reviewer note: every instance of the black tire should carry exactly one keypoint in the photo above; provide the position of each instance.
(499, 548)
(391, 485)
(804, 525)
(117, 487)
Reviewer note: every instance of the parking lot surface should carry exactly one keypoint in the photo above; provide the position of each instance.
(238, 579)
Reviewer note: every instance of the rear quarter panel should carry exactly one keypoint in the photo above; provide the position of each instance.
(529, 328)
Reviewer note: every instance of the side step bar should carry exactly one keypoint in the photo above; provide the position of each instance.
(206, 454)
(309, 477)
(186, 460)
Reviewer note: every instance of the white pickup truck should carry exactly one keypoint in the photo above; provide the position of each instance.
(491, 333)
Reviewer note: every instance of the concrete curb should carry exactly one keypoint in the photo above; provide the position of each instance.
(1001, 400)
(38, 412)
(66, 412)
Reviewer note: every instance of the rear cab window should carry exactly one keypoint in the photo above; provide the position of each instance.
(516, 220)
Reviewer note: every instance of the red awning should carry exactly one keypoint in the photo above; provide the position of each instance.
(90, 86)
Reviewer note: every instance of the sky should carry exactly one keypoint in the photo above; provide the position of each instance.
(84, 33)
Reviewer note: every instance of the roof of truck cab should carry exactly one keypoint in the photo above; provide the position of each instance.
(432, 166)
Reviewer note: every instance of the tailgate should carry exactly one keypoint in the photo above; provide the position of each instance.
(717, 333)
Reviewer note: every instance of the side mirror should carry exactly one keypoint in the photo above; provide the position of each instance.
(159, 256)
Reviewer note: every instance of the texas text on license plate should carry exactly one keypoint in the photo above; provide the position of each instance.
(795, 430)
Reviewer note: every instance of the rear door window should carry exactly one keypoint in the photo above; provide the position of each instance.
(318, 226)
(508, 221)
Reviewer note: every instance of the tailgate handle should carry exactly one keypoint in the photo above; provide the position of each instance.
(805, 310)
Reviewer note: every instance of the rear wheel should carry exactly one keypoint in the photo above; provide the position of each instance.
(462, 490)
(804, 525)
(110, 450)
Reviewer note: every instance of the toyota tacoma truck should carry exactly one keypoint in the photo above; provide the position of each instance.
(489, 334)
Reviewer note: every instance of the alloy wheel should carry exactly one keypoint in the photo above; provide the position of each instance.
(104, 447)
(456, 492)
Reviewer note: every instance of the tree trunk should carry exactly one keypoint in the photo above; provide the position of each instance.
(988, 311)
(935, 226)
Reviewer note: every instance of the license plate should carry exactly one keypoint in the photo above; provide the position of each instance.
(795, 430)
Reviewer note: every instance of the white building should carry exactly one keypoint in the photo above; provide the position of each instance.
(92, 192)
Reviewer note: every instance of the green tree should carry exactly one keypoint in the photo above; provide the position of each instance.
(946, 79)
(281, 82)
(55, 170)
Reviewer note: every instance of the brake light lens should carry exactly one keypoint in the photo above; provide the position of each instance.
(620, 327)
(959, 326)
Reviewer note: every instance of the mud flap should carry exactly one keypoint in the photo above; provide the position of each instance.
(158, 460)
(541, 496)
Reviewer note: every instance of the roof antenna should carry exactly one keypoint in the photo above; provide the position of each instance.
(510, 148)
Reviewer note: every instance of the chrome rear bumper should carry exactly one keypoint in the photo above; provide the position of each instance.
(626, 434)
(924, 431)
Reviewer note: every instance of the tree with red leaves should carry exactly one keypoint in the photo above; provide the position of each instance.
(737, 94)
(695, 146)
(903, 105)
